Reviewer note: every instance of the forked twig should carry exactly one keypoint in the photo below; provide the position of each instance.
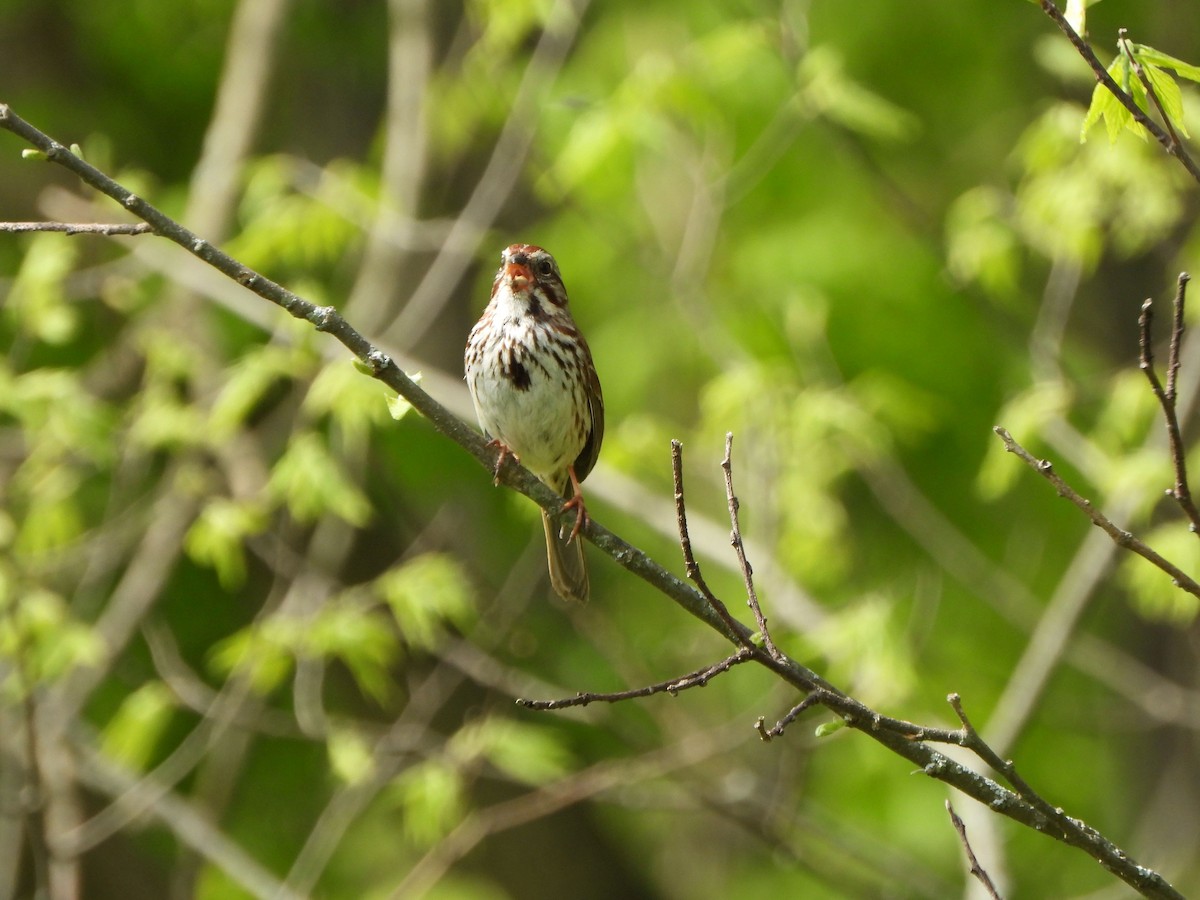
(1166, 397)
(685, 542)
(1121, 537)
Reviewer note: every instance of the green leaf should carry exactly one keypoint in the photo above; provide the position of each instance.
(260, 654)
(311, 481)
(352, 401)
(133, 733)
(981, 243)
(424, 593)
(1154, 594)
(217, 537)
(363, 641)
(399, 407)
(36, 302)
(39, 626)
(350, 756)
(163, 421)
(51, 516)
(528, 753)
(1105, 104)
(1169, 95)
(431, 797)
(827, 728)
(48, 525)
(1148, 55)
(286, 226)
(249, 381)
(825, 88)
(342, 629)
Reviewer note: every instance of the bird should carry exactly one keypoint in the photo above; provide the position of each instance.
(537, 396)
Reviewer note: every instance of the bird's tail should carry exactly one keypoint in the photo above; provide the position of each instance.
(568, 571)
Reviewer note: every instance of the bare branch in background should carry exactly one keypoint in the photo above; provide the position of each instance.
(495, 184)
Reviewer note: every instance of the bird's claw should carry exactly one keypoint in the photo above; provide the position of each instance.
(576, 503)
(503, 454)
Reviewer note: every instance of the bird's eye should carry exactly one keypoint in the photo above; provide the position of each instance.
(545, 267)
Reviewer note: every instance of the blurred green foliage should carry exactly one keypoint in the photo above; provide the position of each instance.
(856, 239)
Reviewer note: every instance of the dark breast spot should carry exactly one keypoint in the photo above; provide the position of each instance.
(518, 375)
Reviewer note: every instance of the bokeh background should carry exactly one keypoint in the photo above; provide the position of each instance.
(266, 638)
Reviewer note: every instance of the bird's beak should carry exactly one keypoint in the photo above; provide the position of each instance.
(517, 275)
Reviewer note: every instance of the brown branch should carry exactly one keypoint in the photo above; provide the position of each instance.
(1139, 116)
(699, 678)
(976, 870)
(904, 739)
(735, 540)
(107, 229)
(1181, 492)
(1120, 537)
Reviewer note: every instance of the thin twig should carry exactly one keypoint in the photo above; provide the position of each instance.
(976, 869)
(1120, 537)
(1123, 98)
(685, 542)
(1181, 492)
(108, 229)
(699, 678)
(735, 540)
(1177, 327)
(792, 714)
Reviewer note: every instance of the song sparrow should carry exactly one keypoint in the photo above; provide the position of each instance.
(537, 395)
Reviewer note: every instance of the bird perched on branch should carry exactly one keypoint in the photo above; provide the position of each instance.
(537, 395)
